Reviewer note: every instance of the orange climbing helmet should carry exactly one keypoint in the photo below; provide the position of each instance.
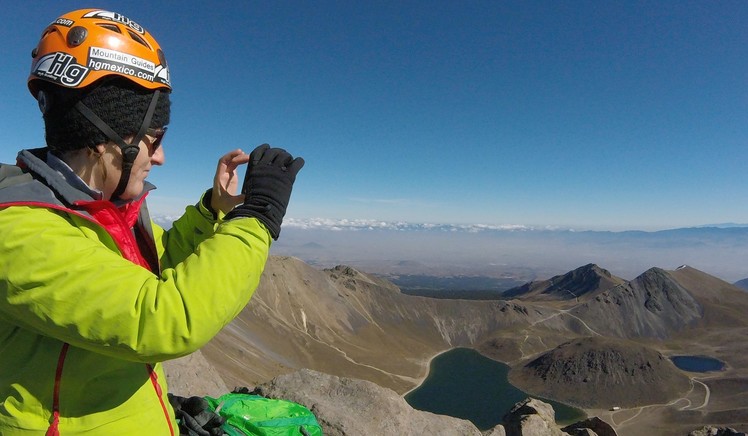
(87, 45)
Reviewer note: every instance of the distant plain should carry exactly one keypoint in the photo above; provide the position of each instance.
(505, 257)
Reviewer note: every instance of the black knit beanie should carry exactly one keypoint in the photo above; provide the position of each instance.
(119, 103)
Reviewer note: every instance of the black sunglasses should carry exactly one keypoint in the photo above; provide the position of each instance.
(158, 134)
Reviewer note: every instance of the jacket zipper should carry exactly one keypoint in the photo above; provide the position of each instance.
(53, 429)
(157, 387)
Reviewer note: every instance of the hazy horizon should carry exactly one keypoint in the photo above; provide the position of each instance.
(521, 252)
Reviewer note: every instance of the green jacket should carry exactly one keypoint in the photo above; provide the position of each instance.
(87, 310)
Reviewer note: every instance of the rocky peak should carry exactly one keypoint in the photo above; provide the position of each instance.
(661, 293)
(343, 270)
(584, 281)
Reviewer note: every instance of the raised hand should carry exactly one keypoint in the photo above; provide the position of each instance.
(226, 181)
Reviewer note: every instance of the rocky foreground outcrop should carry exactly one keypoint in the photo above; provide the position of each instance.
(716, 431)
(591, 426)
(347, 407)
(531, 417)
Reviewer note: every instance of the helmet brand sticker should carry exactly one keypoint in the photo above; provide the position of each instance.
(117, 18)
(67, 22)
(60, 68)
(162, 75)
(121, 63)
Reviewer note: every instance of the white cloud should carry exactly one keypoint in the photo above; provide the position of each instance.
(345, 224)
(372, 224)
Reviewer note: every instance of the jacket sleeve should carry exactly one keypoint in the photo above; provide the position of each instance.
(185, 234)
(61, 277)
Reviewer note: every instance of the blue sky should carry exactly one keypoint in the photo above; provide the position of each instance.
(584, 114)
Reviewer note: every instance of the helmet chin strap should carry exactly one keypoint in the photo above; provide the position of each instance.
(129, 151)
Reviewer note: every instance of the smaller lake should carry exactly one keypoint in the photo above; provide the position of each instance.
(698, 363)
(465, 384)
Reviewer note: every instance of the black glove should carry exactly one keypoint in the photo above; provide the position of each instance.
(267, 187)
(195, 418)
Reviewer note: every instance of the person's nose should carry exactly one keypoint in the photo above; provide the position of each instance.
(158, 157)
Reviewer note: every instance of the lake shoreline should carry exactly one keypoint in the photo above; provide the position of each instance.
(463, 383)
(423, 378)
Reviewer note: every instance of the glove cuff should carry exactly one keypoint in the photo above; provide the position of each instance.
(266, 214)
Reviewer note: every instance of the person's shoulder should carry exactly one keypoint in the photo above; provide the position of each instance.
(12, 175)
(18, 185)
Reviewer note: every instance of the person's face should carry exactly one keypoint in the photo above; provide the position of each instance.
(150, 153)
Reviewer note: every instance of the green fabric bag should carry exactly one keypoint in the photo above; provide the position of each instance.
(254, 415)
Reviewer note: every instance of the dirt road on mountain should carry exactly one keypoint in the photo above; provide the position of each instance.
(639, 420)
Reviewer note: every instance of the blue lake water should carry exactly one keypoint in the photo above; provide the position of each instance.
(465, 384)
(698, 363)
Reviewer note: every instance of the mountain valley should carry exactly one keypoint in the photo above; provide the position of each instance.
(587, 338)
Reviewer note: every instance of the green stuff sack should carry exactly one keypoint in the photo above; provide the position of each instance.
(254, 415)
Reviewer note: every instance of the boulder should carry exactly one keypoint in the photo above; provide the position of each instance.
(594, 424)
(531, 417)
(709, 430)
